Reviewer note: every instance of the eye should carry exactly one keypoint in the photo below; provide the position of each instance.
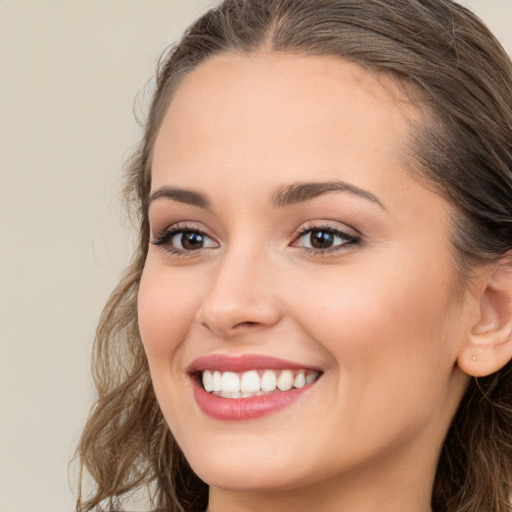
(178, 239)
(324, 239)
(191, 241)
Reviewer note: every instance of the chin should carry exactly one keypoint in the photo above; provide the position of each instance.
(245, 470)
(247, 478)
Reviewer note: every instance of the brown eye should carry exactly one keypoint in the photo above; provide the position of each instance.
(325, 239)
(321, 239)
(191, 240)
(182, 240)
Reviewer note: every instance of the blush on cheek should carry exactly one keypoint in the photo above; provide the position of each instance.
(371, 317)
(165, 314)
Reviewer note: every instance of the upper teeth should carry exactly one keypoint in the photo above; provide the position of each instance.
(254, 382)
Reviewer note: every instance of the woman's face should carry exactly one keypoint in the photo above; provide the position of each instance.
(292, 246)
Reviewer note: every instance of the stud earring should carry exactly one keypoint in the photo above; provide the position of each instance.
(473, 358)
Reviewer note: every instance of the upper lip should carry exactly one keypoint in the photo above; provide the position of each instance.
(243, 363)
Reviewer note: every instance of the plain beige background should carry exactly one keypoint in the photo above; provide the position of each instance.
(69, 73)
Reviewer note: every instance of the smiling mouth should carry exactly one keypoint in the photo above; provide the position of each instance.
(229, 384)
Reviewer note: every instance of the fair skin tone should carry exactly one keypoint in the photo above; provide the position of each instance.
(376, 309)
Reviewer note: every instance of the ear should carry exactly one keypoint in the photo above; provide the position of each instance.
(488, 347)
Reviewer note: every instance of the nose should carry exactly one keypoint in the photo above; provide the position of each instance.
(239, 299)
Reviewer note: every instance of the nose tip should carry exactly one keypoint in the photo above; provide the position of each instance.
(233, 307)
(228, 319)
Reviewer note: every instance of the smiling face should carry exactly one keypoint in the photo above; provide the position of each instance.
(290, 242)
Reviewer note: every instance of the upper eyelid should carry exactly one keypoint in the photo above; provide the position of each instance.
(337, 232)
(183, 226)
(328, 225)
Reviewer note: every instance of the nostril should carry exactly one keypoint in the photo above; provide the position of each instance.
(245, 324)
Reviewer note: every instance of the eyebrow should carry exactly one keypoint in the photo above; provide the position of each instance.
(180, 195)
(285, 196)
(301, 192)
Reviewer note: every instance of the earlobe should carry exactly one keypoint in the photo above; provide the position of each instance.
(489, 344)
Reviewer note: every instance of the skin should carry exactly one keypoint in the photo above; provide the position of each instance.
(383, 317)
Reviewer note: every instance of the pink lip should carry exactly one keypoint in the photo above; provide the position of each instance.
(244, 408)
(233, 409)
(244, 363)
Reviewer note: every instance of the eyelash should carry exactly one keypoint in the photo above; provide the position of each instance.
(165, 237)
(349, 240)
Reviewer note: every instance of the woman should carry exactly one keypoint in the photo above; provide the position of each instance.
(318, 315)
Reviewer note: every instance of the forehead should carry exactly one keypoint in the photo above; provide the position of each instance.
(288, 112)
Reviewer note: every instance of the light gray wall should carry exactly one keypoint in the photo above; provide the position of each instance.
(69, 72)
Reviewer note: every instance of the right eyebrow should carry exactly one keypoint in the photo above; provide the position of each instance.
(180, 195)
(300, 192)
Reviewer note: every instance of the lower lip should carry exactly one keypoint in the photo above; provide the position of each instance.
(238, 409)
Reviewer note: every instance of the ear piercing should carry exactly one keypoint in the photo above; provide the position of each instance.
(473, 358)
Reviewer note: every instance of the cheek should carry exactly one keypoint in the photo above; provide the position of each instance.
(385, 327)
(392, 345)
(167, 305)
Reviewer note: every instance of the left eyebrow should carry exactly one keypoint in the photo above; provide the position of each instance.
(301, 192)
(180, 195)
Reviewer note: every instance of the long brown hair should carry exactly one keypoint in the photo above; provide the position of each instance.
(463, 147)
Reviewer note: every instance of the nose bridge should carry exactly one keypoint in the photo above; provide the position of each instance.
(239, 296)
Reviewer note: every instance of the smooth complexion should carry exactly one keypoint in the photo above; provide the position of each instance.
(376, 310)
